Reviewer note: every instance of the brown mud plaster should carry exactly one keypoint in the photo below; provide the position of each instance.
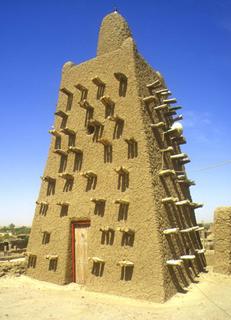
(111, 238)
(222, 231)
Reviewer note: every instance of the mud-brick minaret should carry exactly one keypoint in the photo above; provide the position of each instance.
(114, 211)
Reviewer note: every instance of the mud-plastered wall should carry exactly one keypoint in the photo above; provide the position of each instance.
(107, 166)
(170, 193)
(143, 250)
(222, 232)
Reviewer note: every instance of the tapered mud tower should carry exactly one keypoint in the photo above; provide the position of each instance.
(114, 211)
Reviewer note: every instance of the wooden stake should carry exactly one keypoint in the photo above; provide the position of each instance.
(174, 262)
(171, 231)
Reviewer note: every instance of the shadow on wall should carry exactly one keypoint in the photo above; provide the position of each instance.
(68, 185)
(123, 83)
(99, 208)
(64, 210)
(108, 237)
(175, 280)
(108, 153)
(89, 115)
(78, 161)
(58, 142)
(98, 132)
(132, 149)
(43, 209)
(109, 110)
(123, 211)
(118, 129)
(51, 187)
(91, 183)
(123, 182)
(100, 91)
(63, 163)
(71, 140)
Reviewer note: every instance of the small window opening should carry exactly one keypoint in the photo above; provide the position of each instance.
(71, 140)
(83, 91)
(101, 87)
(32, 261)
(119, 126)
(89, 111)
(53, 263)
(98, 268)
(89, 115)
(100, 91)
(51, 182)
(63, 163)
(132, 148)
(58, 142)
(91, 183)
(109, 106)
(69, 96)
(78, 161)
(128, 239)
(123, 178)
(46, 237)
(84, 94)
(123, 82)
(68, 186)
(109, 111)
(51, 188)
(107, 153)
(90, 129)
(107, 236)
(43, 208)
(95, 128)
(64, 210)
(118, 129)
(99, 209)
(126, 273)
(91, 180)
(123, 211)
(63, 122)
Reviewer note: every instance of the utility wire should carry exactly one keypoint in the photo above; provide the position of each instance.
(221, 164)
(213, 302)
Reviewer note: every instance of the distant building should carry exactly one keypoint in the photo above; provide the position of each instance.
(222, 228)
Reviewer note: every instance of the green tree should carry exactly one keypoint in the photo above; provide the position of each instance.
(11, 227)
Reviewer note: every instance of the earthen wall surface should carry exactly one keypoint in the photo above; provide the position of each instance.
(151, 278)
(222, 232)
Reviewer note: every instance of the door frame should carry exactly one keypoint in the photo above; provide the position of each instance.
(74, 225)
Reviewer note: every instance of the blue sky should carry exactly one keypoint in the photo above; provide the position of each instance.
(188, 41)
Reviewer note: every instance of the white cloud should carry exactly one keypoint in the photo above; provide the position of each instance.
(196, 120)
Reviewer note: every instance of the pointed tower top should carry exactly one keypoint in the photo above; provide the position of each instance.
(113, 32)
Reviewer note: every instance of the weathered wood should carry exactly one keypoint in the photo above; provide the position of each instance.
(174, 262)
(188, 257)
(171, 231)
(81, 258)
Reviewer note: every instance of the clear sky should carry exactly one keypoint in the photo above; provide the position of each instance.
(188, 41)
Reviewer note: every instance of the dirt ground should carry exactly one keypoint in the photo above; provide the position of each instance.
(29, 299)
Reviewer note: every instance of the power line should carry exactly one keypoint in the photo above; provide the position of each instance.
(217, 165)
(213, 302)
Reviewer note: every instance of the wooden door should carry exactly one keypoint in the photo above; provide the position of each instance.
(80, 248)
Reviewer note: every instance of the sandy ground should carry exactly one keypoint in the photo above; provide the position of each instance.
(23, 298)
